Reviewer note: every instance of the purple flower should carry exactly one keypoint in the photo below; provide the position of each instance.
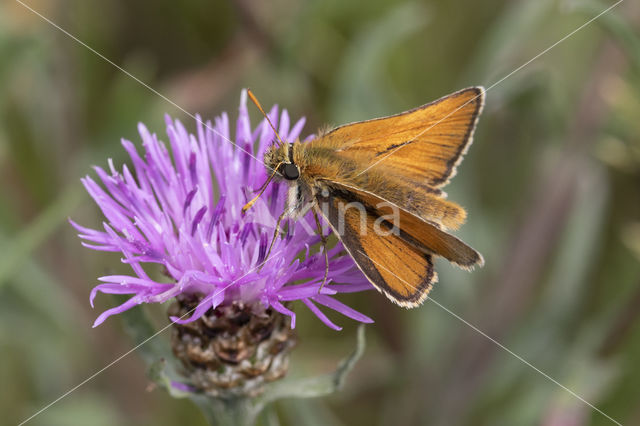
(180, 207)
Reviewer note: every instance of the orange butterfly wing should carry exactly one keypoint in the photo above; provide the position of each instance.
(401, 160)
(400, 270)
(423, 234)
(424, 144)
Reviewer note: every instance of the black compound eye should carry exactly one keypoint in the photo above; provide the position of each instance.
(290, 171)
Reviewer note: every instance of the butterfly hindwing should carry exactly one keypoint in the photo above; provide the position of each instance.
(426, 235)
(399, 269)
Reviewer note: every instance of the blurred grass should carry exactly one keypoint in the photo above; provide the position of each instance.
(551, 185)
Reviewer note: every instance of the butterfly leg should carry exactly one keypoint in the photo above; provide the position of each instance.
(273, 239)
(323, 238)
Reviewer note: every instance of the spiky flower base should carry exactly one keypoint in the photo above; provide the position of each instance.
(232, 350)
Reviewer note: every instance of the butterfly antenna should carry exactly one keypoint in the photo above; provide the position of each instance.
(255, 101)
(262, 189)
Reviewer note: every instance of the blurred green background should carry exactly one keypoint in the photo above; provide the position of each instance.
(552, 186)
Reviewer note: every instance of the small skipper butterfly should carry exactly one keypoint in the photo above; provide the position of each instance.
(377, 183)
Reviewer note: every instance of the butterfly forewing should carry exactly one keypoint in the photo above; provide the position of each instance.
(424, 144)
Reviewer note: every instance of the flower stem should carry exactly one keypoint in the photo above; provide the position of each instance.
(228, 411)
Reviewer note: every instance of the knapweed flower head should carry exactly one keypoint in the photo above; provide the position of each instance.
(180, 207)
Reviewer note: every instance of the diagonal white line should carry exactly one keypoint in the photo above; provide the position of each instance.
(124, 355)
(503, 347)
(496, 83)
(154, 91)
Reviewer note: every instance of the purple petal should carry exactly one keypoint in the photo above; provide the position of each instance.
(320, 314)
(280, 308)
(164, 211)
(204, 305)
(342, 308)
(117, 310)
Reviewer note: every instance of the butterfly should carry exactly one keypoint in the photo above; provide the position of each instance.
(378, 184)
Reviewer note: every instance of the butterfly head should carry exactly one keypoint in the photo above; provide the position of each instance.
(279, 158)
